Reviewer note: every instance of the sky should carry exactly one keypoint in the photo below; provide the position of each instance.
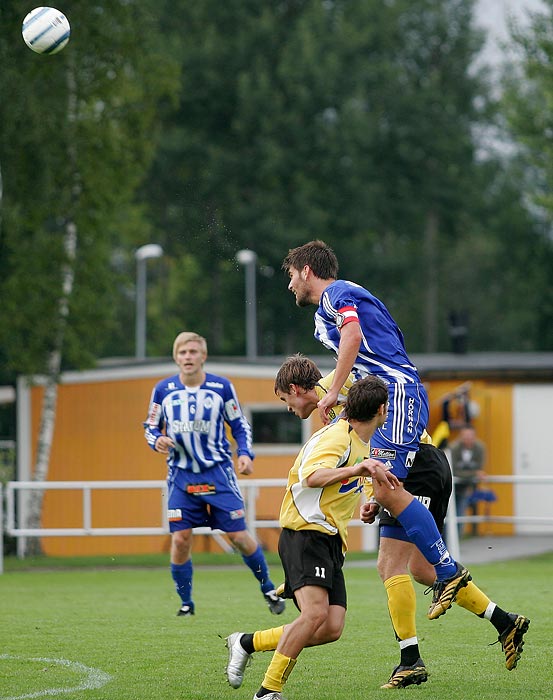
(493, 16)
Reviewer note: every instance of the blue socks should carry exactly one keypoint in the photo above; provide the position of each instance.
(182, 576)
(257, 563)
(418, 523)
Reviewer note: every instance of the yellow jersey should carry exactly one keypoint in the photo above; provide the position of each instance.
(322, 387)
(325, 509)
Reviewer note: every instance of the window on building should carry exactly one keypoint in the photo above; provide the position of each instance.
(275, 427)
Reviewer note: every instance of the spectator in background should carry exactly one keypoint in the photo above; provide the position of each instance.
(468, 458)
(456, 413)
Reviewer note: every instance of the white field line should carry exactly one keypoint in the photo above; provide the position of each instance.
(93, 677)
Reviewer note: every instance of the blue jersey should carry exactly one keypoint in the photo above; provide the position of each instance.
(382, 350)
(382, 353)
(195, 419)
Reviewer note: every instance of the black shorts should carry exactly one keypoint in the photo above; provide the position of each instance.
(311, 558)
(429, 479)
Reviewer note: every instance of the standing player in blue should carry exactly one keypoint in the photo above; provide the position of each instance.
(187, 420)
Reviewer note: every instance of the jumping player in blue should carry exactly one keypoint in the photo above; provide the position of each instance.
(187, 420)
(359, 329)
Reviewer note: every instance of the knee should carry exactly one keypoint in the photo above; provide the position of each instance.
(392, 561)
(423, 579)
(333, 633)
(332, 627)
(243, 542)
(180, 545)
(319, 623)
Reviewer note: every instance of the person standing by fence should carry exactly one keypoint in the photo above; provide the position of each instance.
(468, 460)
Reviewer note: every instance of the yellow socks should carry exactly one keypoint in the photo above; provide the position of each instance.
(279, 669)
(267, 640)
(402, 604)
(473, 599)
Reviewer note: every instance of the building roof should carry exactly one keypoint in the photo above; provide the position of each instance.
(512, 366)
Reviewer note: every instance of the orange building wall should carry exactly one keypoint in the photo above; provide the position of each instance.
(494, 427)
(99, 436)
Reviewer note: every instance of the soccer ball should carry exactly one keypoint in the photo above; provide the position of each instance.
(46, 30)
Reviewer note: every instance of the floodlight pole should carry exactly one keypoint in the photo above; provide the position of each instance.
(142, 255)
(248, 258)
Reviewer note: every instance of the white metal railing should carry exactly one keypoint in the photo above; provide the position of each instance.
(250, 489)
(86, 487)
(512, 519)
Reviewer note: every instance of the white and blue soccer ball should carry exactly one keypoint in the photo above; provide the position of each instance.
(46, 30)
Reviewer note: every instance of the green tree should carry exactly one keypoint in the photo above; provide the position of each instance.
(528, 107)
(80, 164)
(88, 114)
(352, 122)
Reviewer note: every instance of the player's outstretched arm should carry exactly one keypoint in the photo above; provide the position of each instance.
(350, 342)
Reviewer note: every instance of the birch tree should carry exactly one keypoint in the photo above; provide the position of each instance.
(70, 239)
(78, 132)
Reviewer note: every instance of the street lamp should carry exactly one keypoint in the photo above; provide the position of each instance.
(142, 255)
(248, 258)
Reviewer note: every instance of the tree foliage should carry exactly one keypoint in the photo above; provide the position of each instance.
(118, 84)
(528, 108)
(357, 123)
(210, 127)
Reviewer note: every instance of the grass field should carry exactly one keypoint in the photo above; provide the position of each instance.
(111, 633)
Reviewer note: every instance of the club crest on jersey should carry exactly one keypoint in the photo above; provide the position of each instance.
(382, 453)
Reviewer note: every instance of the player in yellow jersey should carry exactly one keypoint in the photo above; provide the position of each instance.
(323, 490)
(300, 384)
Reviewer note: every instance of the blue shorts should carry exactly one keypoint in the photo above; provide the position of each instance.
(397, 441)
(210, 498)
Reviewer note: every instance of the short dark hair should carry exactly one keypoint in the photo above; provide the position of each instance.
(317, 255)
(365, 398)
(297, 369)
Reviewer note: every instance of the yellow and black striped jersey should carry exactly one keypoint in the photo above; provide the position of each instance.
(327, 509)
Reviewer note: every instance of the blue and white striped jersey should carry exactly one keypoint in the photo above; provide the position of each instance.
(195, 419)
(382, 350)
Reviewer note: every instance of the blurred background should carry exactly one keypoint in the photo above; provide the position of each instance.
(402, 133)
(154, 174)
